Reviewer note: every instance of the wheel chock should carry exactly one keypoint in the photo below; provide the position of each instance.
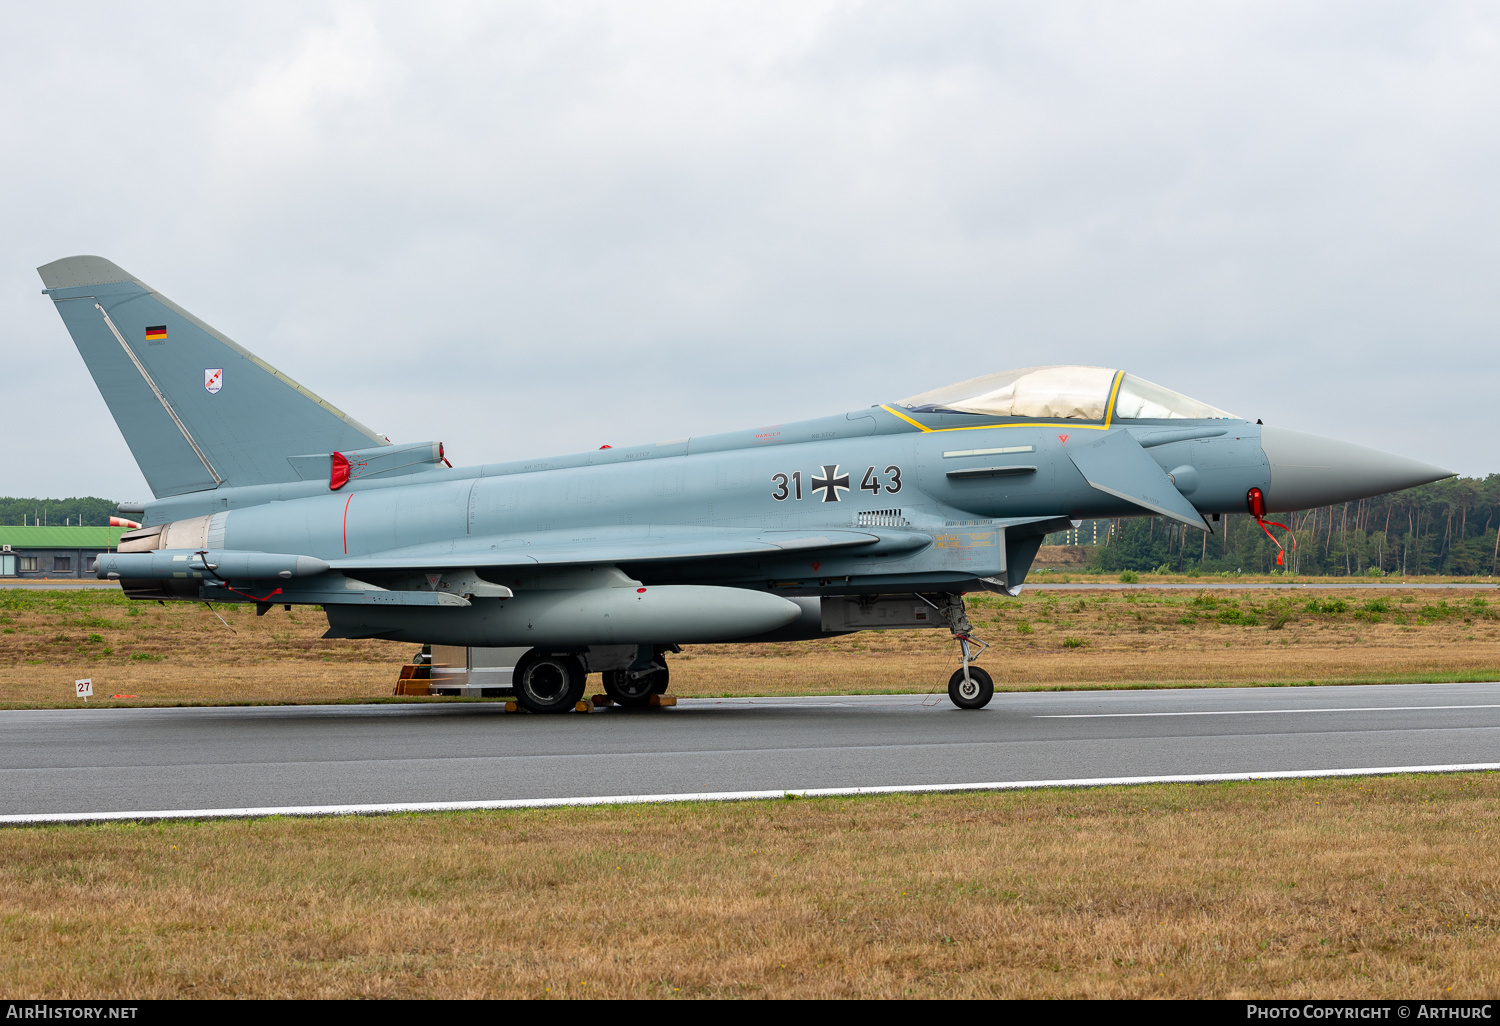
(603, 701)
(512, 706)
(584, 706)
(660, 701)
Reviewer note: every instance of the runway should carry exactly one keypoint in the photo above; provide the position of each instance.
(1251, 586)
(28, 585)
(115, 763)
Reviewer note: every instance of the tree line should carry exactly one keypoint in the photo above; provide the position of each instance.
(85, 511)
(1449, 527)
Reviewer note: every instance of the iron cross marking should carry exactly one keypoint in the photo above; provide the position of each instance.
(829, 484)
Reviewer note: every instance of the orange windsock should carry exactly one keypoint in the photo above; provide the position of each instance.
(122, 522)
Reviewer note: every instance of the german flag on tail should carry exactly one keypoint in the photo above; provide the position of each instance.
(157, 334)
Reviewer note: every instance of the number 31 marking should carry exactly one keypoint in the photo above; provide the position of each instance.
(782, 482)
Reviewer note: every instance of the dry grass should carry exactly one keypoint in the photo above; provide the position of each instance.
(1060, 639)
(1353, 888)
(180, 652)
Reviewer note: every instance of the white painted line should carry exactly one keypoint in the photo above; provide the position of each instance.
(24, 819)
(1253, 712)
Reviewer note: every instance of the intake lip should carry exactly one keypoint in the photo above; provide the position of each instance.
(1309, 470)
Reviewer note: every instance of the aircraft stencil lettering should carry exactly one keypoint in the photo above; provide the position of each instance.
(609, 560)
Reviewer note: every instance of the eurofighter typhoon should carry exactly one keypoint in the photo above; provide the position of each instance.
(607, 561)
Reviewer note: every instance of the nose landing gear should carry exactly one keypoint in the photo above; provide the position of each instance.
(969, 687)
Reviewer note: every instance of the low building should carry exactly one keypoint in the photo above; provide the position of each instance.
(51, 553)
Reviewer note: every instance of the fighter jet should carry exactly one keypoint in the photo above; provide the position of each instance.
(608, 561)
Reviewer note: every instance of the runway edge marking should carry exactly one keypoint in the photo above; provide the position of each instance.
(392, 808)
(1256, 712)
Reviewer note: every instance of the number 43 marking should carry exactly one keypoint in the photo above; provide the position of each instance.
(871, 483)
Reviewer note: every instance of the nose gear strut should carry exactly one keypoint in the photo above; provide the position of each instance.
(970, 687)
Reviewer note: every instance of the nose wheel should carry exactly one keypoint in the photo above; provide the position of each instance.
(970, 688)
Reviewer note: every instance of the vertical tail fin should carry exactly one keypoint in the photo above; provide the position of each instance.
(197, 410)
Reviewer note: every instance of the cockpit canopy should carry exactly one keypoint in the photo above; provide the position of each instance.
(1072, 393)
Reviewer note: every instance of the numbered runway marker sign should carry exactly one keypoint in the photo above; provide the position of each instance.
(85, 687)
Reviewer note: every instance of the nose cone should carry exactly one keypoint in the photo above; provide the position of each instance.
(1310, 470)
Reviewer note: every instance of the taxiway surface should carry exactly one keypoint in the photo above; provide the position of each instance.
(115, 760)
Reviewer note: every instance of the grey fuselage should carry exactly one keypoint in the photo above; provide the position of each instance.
(959, 503)
(730, 480)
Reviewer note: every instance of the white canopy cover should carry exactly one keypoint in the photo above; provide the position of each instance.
(1065, 392)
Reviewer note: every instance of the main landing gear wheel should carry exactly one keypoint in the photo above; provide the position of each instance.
(634, 690)
(549, 683)
(973, 693)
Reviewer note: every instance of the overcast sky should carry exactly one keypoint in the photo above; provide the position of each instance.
(534, 228)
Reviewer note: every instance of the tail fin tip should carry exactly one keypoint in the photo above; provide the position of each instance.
(82, 271)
